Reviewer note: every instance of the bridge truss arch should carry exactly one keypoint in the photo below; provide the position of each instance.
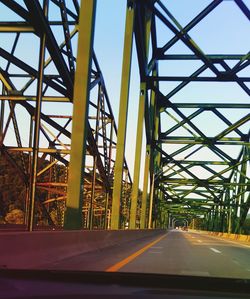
(194, 92)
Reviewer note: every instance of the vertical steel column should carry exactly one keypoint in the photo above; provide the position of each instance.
(193, 226)
(122, 123)
(208, 220)
(106, 210)
(229, 230)
(242, 192)
(212, 218)
(31, 128)
(73, 215)
(137, 163)
(111, 145)
(139, 135)
(91, 210)
(167, 218)
(36, 138)
(155, 127)
(216, 217)
(162, 217)
(2, 108)
(235, 204)
(222, 218)
(151, 199)
(109, 172)
(145, 188)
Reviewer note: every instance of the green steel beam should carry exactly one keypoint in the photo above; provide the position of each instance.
(241, 192)
(137, 163)
(192, 162)
(154, 160)
(234, 126)
(151, 200)
(215, 57)
(33, 99)
(140, 119)
(36, 134)
(123, 110)
(190, 182)
(73, 215)
(229, 168)
(197, 79)
(145, 187)
(190, 140)
(213, 105)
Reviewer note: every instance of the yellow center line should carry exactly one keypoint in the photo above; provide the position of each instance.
(130, 258)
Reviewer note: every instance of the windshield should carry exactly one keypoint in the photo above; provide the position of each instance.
(124, 136)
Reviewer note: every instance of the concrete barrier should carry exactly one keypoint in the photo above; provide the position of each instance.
(33, 249)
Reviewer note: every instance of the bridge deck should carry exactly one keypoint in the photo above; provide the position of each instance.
(178, 252)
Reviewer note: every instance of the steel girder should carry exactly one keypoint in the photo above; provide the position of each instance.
(38, 62)
(196, 168)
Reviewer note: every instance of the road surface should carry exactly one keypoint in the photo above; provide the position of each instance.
(177, 252)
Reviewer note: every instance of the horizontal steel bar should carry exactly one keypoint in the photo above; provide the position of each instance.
(193, 141)
(200, 162)
(213, 105)
(15, 29)
(190, 182)
(222, 78)
(41, 150)
(187, 138)
(33, 99)
(194, 57)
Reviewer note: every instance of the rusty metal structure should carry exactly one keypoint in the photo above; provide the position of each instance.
(57, 128)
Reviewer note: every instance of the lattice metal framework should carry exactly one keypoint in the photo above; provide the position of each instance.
(37, 71)
(198, 147)
(197, 151)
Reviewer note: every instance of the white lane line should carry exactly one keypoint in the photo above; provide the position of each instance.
(215, 250)
(154, 252)
(156, 247)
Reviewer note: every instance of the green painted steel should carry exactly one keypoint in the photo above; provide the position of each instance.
(197, 147)
(137, 164)
(143, 218)
(36, 136)
(73, 215)
(212, 192)
(122, 122)
(140, 119)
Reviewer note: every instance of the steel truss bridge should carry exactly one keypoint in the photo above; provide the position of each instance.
(69, 162)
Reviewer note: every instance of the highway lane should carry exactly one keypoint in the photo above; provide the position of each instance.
(191, 253)
(177, 252)
(100, 260)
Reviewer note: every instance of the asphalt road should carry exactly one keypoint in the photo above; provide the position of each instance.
(190, 253)
(178, 252)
